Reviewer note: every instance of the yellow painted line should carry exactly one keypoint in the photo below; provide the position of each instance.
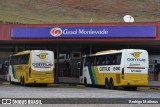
(80, 85)
(155, 88)
(66, 85)
(150, 88)
(5, 82)
(55, 84)
(144, 88)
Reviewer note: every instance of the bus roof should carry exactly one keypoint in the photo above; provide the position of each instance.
(23, 52)
(27, 52)
(110, 52)
(107, 51)
(104, 52)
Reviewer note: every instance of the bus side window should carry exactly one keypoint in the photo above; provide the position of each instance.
(114, 59)
(27, 58)
(107, 61)
(94, 61)
(118, 59)
(103, 60)
(110, 60)
(100, 60)
(21, 59)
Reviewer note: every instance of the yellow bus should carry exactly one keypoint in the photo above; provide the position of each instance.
(32, 67)
(126, 68)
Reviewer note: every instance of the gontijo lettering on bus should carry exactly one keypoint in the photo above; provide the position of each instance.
(104, 69)
(42, 65)
(136, 56)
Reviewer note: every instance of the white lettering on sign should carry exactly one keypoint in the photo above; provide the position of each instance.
(82, 31)
(66, 31)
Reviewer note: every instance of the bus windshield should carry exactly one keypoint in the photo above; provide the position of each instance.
(42, 60)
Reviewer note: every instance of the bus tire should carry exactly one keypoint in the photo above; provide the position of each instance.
(44, 85)
(134, 88)
(107, 86)
(112, 84)
(21, 81)
(10, 80)
(126, 88)
(85, 82)
(24, 84)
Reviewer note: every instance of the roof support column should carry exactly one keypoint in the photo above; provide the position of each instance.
(57, 65)
(90, 49)
(16, 49)
(24, 47)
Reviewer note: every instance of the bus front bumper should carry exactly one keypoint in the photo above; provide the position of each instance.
(134, 83)
(43, 81)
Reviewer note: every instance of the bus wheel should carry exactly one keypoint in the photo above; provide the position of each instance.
(24, 84)
(126, 88)
(21, 81)
(10, 79)
(134, 88)
(112, 85)
(107, 86)
(85, 82)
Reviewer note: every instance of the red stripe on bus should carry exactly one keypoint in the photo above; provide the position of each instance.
(137, 67)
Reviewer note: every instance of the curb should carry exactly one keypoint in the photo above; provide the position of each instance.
(66, 85)
(58, 85)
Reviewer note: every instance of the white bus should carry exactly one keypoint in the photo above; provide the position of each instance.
(32, 67)
(126, 68)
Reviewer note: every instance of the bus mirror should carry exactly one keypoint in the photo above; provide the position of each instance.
(6, 63)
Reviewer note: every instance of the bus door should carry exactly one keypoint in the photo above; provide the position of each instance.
(135, 65)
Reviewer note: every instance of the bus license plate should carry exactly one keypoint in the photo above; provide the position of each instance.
(41, 78)
(135, 80)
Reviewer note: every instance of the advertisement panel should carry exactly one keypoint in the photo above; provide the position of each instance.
(84, 32)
